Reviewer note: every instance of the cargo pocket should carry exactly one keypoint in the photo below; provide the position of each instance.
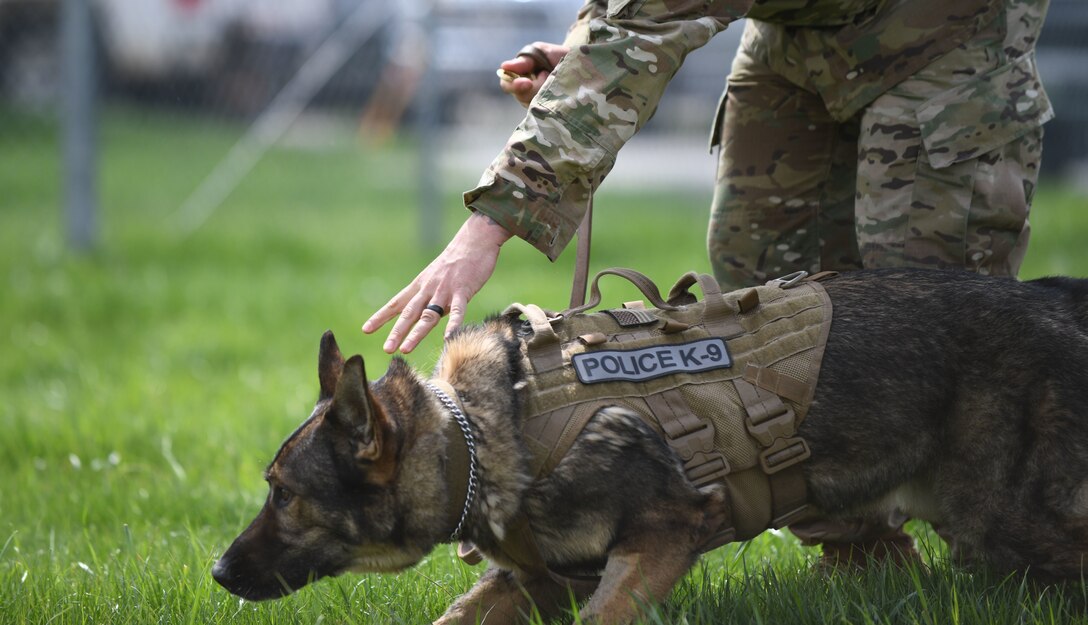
(982, 115)
(715, 138)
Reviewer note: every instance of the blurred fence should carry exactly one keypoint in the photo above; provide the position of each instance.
(374, 67)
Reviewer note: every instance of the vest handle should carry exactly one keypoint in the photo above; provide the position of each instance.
(644, 284)
(717, 313)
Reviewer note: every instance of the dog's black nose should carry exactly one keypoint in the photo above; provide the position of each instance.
(221, 572)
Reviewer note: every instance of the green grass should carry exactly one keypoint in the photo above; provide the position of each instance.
(145, 385)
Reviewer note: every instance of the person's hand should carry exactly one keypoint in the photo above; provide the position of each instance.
(522, 76)
(449, 282)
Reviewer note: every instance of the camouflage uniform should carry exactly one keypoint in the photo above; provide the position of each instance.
(838, 59)
(937, 170)
(853, 133)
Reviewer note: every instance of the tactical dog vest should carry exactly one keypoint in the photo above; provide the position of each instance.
(726, 382)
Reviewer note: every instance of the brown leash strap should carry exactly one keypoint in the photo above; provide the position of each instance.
(581, 260)
(641, 282)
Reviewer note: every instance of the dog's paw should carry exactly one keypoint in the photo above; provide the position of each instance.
(717, 521)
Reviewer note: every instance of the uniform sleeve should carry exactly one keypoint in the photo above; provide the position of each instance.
(578, 33)
(602, 92)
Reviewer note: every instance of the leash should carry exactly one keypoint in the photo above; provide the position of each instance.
(581, 260)
(541, 63)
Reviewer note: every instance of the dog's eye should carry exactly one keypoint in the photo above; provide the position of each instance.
(281, 496)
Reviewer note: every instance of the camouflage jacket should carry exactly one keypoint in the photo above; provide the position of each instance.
(624, 52)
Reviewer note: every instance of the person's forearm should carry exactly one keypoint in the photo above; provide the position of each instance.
(597, 98)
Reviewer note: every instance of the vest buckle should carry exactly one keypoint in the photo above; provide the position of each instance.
(788, 280)
(689, 443)
(706, 468)
(770, 420)
(783, 454)
(702, 463)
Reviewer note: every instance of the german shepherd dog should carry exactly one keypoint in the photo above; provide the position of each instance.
(949, 397)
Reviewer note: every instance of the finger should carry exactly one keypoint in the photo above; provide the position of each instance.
(513, 85)
(390, 310)
(408, 318)
(427, 321)
(380, 318)
(457, 313)
(527, 89)
(526, 85)
(521, 65)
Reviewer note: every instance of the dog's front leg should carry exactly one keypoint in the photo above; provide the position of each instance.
(644, 565)
(634, 578)
(500, 597)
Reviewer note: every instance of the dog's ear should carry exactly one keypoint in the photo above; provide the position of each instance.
(353, 409)
(329, 365)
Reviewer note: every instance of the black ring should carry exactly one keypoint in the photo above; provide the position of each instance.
(435, 308)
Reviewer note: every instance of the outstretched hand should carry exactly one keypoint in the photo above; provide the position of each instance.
(449, 282)
(522, 77)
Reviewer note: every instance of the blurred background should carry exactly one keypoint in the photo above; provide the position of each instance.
(192, 191)
(320, 75)
(167, 135)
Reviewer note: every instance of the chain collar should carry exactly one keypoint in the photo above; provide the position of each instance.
(470, 441)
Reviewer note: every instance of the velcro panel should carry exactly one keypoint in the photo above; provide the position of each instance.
(632, 317)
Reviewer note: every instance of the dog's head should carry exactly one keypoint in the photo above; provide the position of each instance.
(330, 505)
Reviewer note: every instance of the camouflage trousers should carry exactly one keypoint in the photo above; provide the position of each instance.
(935, 172)
(932, 173)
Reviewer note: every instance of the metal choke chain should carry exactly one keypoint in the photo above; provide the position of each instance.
(470, 441)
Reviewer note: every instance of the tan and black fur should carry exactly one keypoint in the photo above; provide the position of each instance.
(944, 396)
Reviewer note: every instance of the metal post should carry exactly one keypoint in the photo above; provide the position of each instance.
(427, 130)
(79, 123)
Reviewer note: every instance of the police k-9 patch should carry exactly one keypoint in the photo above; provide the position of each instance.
(647, 363)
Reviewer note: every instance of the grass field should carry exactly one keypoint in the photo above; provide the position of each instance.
(145, 385)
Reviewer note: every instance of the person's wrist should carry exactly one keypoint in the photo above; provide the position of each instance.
(486, 230)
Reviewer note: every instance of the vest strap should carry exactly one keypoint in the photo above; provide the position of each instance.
(572, 427)
(781, 384)
(774, 425)
(544, 349)
(520, 546)
(691, 437)
(789, 497)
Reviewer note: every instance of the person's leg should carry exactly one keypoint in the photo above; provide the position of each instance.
(949, 158)
(784, 196)
(947, 165)
(784, 201)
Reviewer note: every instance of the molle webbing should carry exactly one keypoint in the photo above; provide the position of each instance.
(730, 415)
